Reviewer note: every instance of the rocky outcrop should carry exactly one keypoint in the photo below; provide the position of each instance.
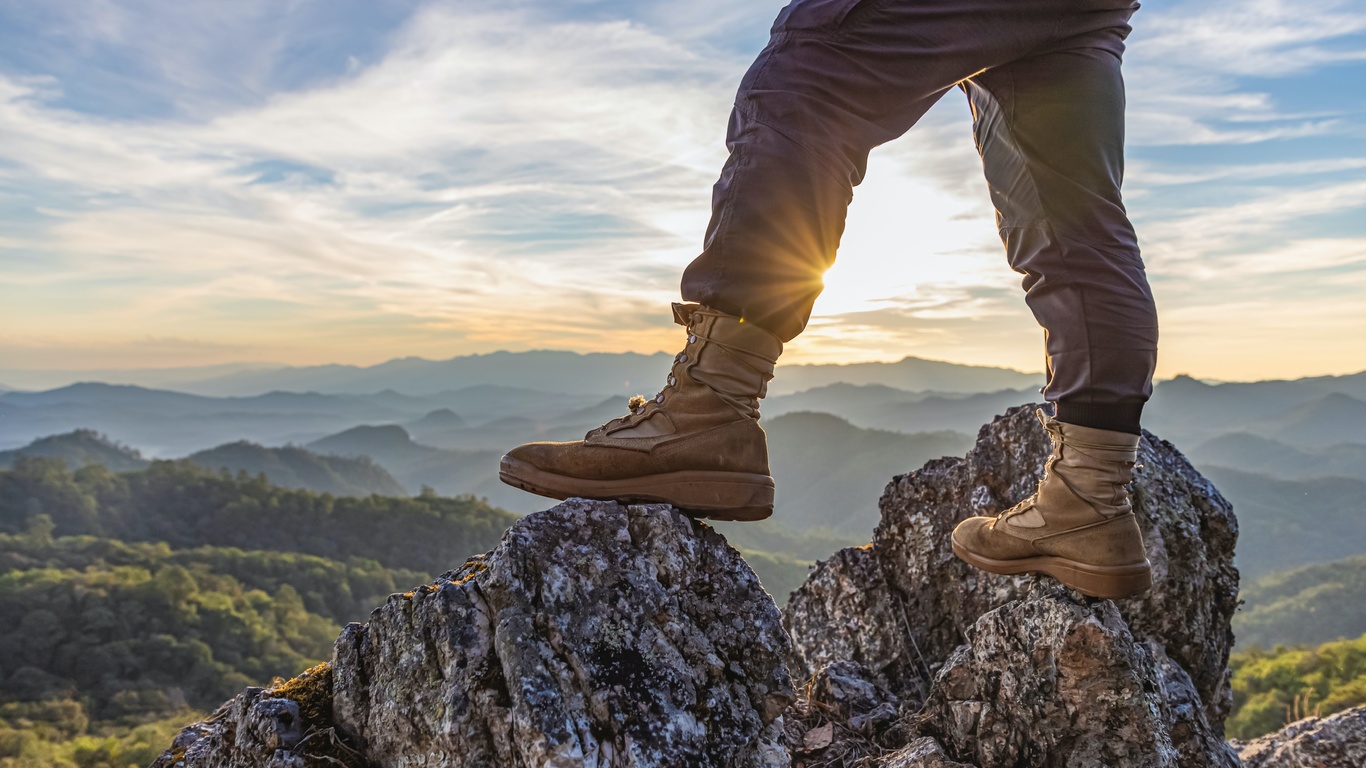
(971, 643)
(1338, 741)
(288, 726)
(1053, 680)
(603, 635)
(593, 635)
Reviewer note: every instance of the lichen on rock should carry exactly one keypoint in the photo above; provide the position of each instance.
(595, 634)
(1051, 680)
(1337, 741)
(930, 626)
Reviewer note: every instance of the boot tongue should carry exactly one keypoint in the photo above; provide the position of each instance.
(759, 347)
(735, 359)
(683, 313)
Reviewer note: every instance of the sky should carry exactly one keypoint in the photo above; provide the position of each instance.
(193, 182)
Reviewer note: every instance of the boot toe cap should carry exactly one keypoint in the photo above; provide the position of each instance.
(983, 537)
(579, 460)
(539, 455)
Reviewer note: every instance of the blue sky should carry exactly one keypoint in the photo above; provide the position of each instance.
(308, 181)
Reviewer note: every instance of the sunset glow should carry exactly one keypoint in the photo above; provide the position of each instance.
(372, 181)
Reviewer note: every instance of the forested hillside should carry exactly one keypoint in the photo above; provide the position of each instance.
(1273, 688)
(1290, 523)
(130, 601)
(188, 506)
(1304, 606)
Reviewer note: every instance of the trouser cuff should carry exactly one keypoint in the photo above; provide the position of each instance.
(1117, 417)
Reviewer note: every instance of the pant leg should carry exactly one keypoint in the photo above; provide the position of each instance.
(837, 78)
(1050, 128)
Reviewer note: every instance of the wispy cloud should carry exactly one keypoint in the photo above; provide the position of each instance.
(314, 181)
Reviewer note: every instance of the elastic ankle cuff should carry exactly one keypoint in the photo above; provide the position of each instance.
(1117, 417)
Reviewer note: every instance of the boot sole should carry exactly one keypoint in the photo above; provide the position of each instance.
(1106, 581)
(738, 496)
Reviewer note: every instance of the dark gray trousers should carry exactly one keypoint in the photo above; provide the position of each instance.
(840, 77)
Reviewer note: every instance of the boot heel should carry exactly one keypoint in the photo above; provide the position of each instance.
(1112, 582)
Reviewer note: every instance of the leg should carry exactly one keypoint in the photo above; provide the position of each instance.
(1051, 132)
(838, 78)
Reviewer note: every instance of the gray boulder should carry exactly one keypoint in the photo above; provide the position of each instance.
(594, 635)
(1057, 680)
(993, 656)
(1338, 741)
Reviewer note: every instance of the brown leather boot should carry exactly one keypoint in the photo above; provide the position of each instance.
(1078, 528)
(697, 445)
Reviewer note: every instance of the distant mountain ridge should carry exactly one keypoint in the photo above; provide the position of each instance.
(1252, 453)
(1305, 606)
(1290, 523)
(294, 467)
(598, 373)
(80, 448)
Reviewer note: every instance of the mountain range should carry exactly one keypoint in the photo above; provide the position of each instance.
(1291, 455)
(573, 373)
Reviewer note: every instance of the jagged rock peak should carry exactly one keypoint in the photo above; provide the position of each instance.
(594, 634)
(910, 612)
(1337, 741)
(1059, 680)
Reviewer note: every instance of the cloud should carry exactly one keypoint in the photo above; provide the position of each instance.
(315, 180)
(1267, 38)
(486, 157)
(1204, 73)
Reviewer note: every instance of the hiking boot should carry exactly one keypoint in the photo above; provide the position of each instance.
(696, 445)
(1078, 528)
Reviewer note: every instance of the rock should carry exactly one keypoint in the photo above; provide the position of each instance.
(1198, 744)
(1338, 741)
(1051, 681)
(594, 635)
(913, 601)
(263, 728)
(846, 694)
(831, 614)
(924, 752)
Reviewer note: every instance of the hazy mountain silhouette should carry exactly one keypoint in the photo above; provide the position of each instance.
(1253, 453)
(448, 472)
(595, 373)
(1188, 412)
(168, 424)
(153, 378)
(830, 473)
(573, 373)
(295, 467)
(80, 448)
(1333, 418)
(910, 373)
(1290, 523)
(1304, 606)
(437, 421)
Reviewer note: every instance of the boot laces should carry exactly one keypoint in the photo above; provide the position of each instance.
(637, 403)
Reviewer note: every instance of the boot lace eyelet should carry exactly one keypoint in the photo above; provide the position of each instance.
(692, 339)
